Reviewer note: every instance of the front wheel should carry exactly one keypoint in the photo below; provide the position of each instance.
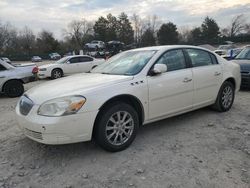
(56, 73)
(117, 127)
(225, 97)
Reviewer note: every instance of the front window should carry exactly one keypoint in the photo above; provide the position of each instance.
(244, 54)
(126, 63)
(174, 60)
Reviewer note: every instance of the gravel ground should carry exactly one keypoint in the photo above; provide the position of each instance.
(198, 149)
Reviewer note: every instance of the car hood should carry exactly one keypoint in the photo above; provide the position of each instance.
(73, 85)
(48, 65)
(244, 64)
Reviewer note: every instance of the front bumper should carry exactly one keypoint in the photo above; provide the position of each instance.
(245, 80)
(42, 74)
(56, 130)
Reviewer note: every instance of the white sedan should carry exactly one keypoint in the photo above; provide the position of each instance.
(133, 88)
(68, 65)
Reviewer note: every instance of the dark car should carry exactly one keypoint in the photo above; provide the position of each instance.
(243, 59)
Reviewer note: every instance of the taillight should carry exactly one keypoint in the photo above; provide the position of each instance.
(35, 70)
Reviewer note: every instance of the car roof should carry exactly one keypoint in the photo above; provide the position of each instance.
(168, 47)
(78, 56)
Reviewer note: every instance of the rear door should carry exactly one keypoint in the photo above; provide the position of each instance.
(172, 91)
(207, 76)
(85, 64)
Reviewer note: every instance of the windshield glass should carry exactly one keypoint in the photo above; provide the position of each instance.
(62, 60)
(244, 54)
(126, 63)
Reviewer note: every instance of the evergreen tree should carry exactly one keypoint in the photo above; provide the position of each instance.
(168, 34)
(148, 38)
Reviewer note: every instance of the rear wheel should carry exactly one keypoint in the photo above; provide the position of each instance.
(225, 97)
(56, 73)
(117, 127)
(13, 88)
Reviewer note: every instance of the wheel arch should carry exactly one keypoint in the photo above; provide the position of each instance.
(127, 98)
(19, 80)
(57, 68)
(231, 80)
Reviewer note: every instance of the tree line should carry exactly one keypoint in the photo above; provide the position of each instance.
(134, 32)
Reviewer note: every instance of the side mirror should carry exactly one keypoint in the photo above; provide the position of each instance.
(158, 69)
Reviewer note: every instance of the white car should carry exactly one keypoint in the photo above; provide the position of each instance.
(12, 77)
(68, 65)
(95, 44)
(133, 88)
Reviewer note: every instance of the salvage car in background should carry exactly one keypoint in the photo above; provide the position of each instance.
(54, 56)
(68, 65)
(36, 59)
(95, 44)
(13, 77)
(243, 59)
(224, 49)
(132, 88)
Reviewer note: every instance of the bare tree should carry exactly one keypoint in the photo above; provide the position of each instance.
(140, 25)
(26, 40)
(237, 25)
(8, 36)
(77, 30)
(184, 33)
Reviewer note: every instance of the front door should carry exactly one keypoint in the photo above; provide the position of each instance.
(172, 91)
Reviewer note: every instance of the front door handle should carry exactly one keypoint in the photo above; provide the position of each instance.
(217, 74)
(187, 80)
(2, 76)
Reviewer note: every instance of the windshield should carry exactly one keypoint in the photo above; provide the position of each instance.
(126, 63)
(244, 54)
(62, 60)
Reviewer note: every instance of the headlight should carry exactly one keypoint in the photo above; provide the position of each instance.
(42, 69)
(62, 106)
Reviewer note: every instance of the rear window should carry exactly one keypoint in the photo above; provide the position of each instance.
(2, 68)
(86, 59)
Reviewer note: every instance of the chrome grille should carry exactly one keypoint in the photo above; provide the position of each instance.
(33, 134)
(25, 105)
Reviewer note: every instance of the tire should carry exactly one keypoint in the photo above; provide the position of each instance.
(56, 73)
(116, 137)
(225, 97)
(13, 88)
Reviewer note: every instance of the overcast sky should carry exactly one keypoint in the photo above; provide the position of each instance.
(54, 15)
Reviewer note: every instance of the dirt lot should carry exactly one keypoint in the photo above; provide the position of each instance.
(198, 149)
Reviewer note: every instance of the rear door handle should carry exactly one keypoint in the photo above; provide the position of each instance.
(2, 76)
(217, 73)
(187, 80)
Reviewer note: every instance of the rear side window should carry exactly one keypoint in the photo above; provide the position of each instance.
(2, 68)
(174, 60)
(86, 59)
(200, 57)
(74, 60)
